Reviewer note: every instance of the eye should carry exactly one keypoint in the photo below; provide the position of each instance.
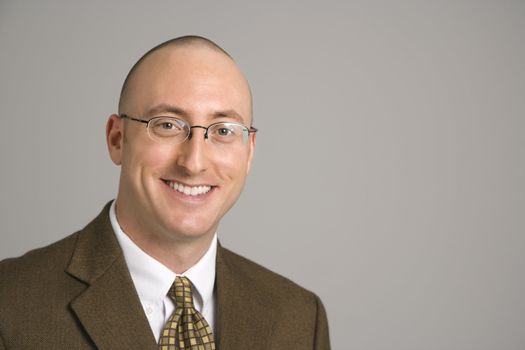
(224, 131)
(167, 125)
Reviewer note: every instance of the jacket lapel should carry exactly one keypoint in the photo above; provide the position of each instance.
(109, 309)
(243, 319)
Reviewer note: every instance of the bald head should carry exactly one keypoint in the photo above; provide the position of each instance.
(180, 44)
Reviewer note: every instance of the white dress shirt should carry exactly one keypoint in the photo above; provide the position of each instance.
(153, 280)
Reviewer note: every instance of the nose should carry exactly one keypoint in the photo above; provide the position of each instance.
(192, 155)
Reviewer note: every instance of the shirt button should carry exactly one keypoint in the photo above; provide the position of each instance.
(149, 310)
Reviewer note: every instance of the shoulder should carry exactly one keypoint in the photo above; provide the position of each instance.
(42, 263)
(265, 281)
(36, 283)
(41, 259)
(37, 266)
(299, 317)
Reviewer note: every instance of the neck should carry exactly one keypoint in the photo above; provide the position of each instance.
(178, 256)
(175, 252)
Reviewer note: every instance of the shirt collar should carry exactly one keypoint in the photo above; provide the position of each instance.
(153, 280)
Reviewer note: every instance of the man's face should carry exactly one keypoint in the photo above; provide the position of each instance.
(200, 86)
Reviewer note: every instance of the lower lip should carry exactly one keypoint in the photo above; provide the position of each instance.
(185, 197)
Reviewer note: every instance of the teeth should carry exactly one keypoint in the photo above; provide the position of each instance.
(189, 190)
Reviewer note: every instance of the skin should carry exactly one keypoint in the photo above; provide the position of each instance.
(206, 86)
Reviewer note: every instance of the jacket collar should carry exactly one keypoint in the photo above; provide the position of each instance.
(244, 314)
(109, 309)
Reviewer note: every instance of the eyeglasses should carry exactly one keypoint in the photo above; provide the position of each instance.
(173, 130)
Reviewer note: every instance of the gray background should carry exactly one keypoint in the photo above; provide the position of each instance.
(389, 171)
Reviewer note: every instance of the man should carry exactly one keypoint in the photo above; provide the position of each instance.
(148, 272)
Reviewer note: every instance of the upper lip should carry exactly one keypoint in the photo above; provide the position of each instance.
(187, 184)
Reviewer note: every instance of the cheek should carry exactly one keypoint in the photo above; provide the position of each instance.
(146, 159)
(233, 166)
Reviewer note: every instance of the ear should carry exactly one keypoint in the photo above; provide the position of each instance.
(253, 137)
(115, 138)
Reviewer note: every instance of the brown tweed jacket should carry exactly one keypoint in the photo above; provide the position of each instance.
(78, 294)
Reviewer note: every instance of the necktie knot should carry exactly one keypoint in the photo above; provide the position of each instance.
(181, 292)
(186, 328)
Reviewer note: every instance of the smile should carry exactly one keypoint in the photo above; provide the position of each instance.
(188, 190)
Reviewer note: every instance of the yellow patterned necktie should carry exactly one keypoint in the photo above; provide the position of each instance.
(186, 329)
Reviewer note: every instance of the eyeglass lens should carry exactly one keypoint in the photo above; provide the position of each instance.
(173, 130)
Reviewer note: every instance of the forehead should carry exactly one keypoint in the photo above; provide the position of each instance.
(199, 80)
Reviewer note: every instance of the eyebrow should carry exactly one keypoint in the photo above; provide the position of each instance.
(166, 108)
(230, 113)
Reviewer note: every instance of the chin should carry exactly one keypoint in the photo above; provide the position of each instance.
(191, 230)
